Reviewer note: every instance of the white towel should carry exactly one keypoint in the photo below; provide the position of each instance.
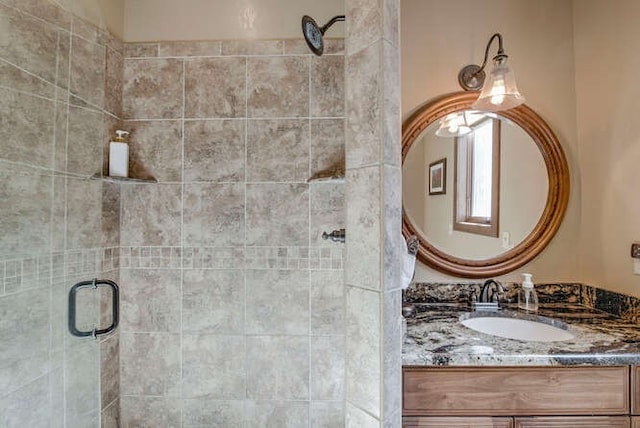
(409, 260)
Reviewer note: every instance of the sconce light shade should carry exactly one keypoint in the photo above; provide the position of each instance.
(499, 91)
(453, 125)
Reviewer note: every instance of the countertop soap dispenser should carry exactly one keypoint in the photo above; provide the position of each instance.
(119, 155)
(527, 297)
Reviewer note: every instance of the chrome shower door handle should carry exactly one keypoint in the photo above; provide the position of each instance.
(115, 301)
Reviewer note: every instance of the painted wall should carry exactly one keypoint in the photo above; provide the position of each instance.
(106, 14)
(607, 65)
(441, 36)
(148, 20)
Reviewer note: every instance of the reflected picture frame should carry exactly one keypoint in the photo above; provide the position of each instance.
(438, 177)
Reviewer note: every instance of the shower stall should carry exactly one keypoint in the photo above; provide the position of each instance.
(233, 310)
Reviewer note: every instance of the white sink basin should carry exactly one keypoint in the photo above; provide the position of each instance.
(525, 327)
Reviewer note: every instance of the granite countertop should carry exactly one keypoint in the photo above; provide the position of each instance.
(435, 337)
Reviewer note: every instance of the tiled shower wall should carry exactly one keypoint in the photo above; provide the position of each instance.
(232, 304)
(60, 96)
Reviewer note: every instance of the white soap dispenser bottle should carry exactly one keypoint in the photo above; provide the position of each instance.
(527, 296)
(119, 155)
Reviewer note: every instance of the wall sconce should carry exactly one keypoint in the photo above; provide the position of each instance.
(453, 125)
(499, 91)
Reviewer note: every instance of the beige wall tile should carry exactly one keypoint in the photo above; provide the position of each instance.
(110, 215)
(213, 301)
(155, 149)
(328, 368)
(152, 89)
(204, 412)
(26, 211)
(277, 210)
(276, 414)
(13, 77)
(326, 94)
(109, 370)
(214, 214)
(356, 417)
(82, 394)
(215, 87)
(87, 73)
(113, 82)
(278, 87)
(151, 214)
(212, 366)
(364, 128)
(27, 128)
(327, 145)
(150, 300)
(214, 150)
(278, 150)
(364, 328)
(150, 411)
(327, 211)
(363, 223)
(277, 302)
(110, 417)
(327, 303)
(28, 406)
(327, 414)
(141, 50)
(149, 365)
(44, 10)
(31, 44)
(365, 24)
(278, 367)
(85, 142)
(84, 213)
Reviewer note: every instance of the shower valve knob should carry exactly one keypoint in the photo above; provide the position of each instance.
(335, 236)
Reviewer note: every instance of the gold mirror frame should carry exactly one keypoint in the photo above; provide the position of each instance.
(557, 197)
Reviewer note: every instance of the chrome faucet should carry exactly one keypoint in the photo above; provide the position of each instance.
(491, 292)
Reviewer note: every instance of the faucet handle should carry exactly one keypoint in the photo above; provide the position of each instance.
(473, 296)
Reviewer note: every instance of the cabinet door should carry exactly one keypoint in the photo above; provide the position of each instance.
(635, 390)
(574, 422)
(515, 391)
(635, 422)
(436, 422)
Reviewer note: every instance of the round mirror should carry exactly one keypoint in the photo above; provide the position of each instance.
(484, 192)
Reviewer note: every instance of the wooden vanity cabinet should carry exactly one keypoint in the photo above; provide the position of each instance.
(635, 393)
(574, 422)
(520, 397)
(456, 422)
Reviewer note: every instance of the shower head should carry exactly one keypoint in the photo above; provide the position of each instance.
(313, 33)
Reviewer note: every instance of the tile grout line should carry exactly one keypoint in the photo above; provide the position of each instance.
(244, 264)
(182, 243)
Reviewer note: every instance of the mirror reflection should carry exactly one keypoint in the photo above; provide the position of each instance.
(493, 191)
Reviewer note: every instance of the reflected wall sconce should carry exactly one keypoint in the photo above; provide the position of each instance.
(499, 90)
(453, 125)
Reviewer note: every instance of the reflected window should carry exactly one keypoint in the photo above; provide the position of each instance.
(477, 179)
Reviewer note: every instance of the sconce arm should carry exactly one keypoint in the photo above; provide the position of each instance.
(499, 56)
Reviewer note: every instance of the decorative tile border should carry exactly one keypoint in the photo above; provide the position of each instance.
(26, 273)
(281, 258)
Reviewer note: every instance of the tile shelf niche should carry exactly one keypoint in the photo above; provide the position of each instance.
(122, 179)
(334, 175)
